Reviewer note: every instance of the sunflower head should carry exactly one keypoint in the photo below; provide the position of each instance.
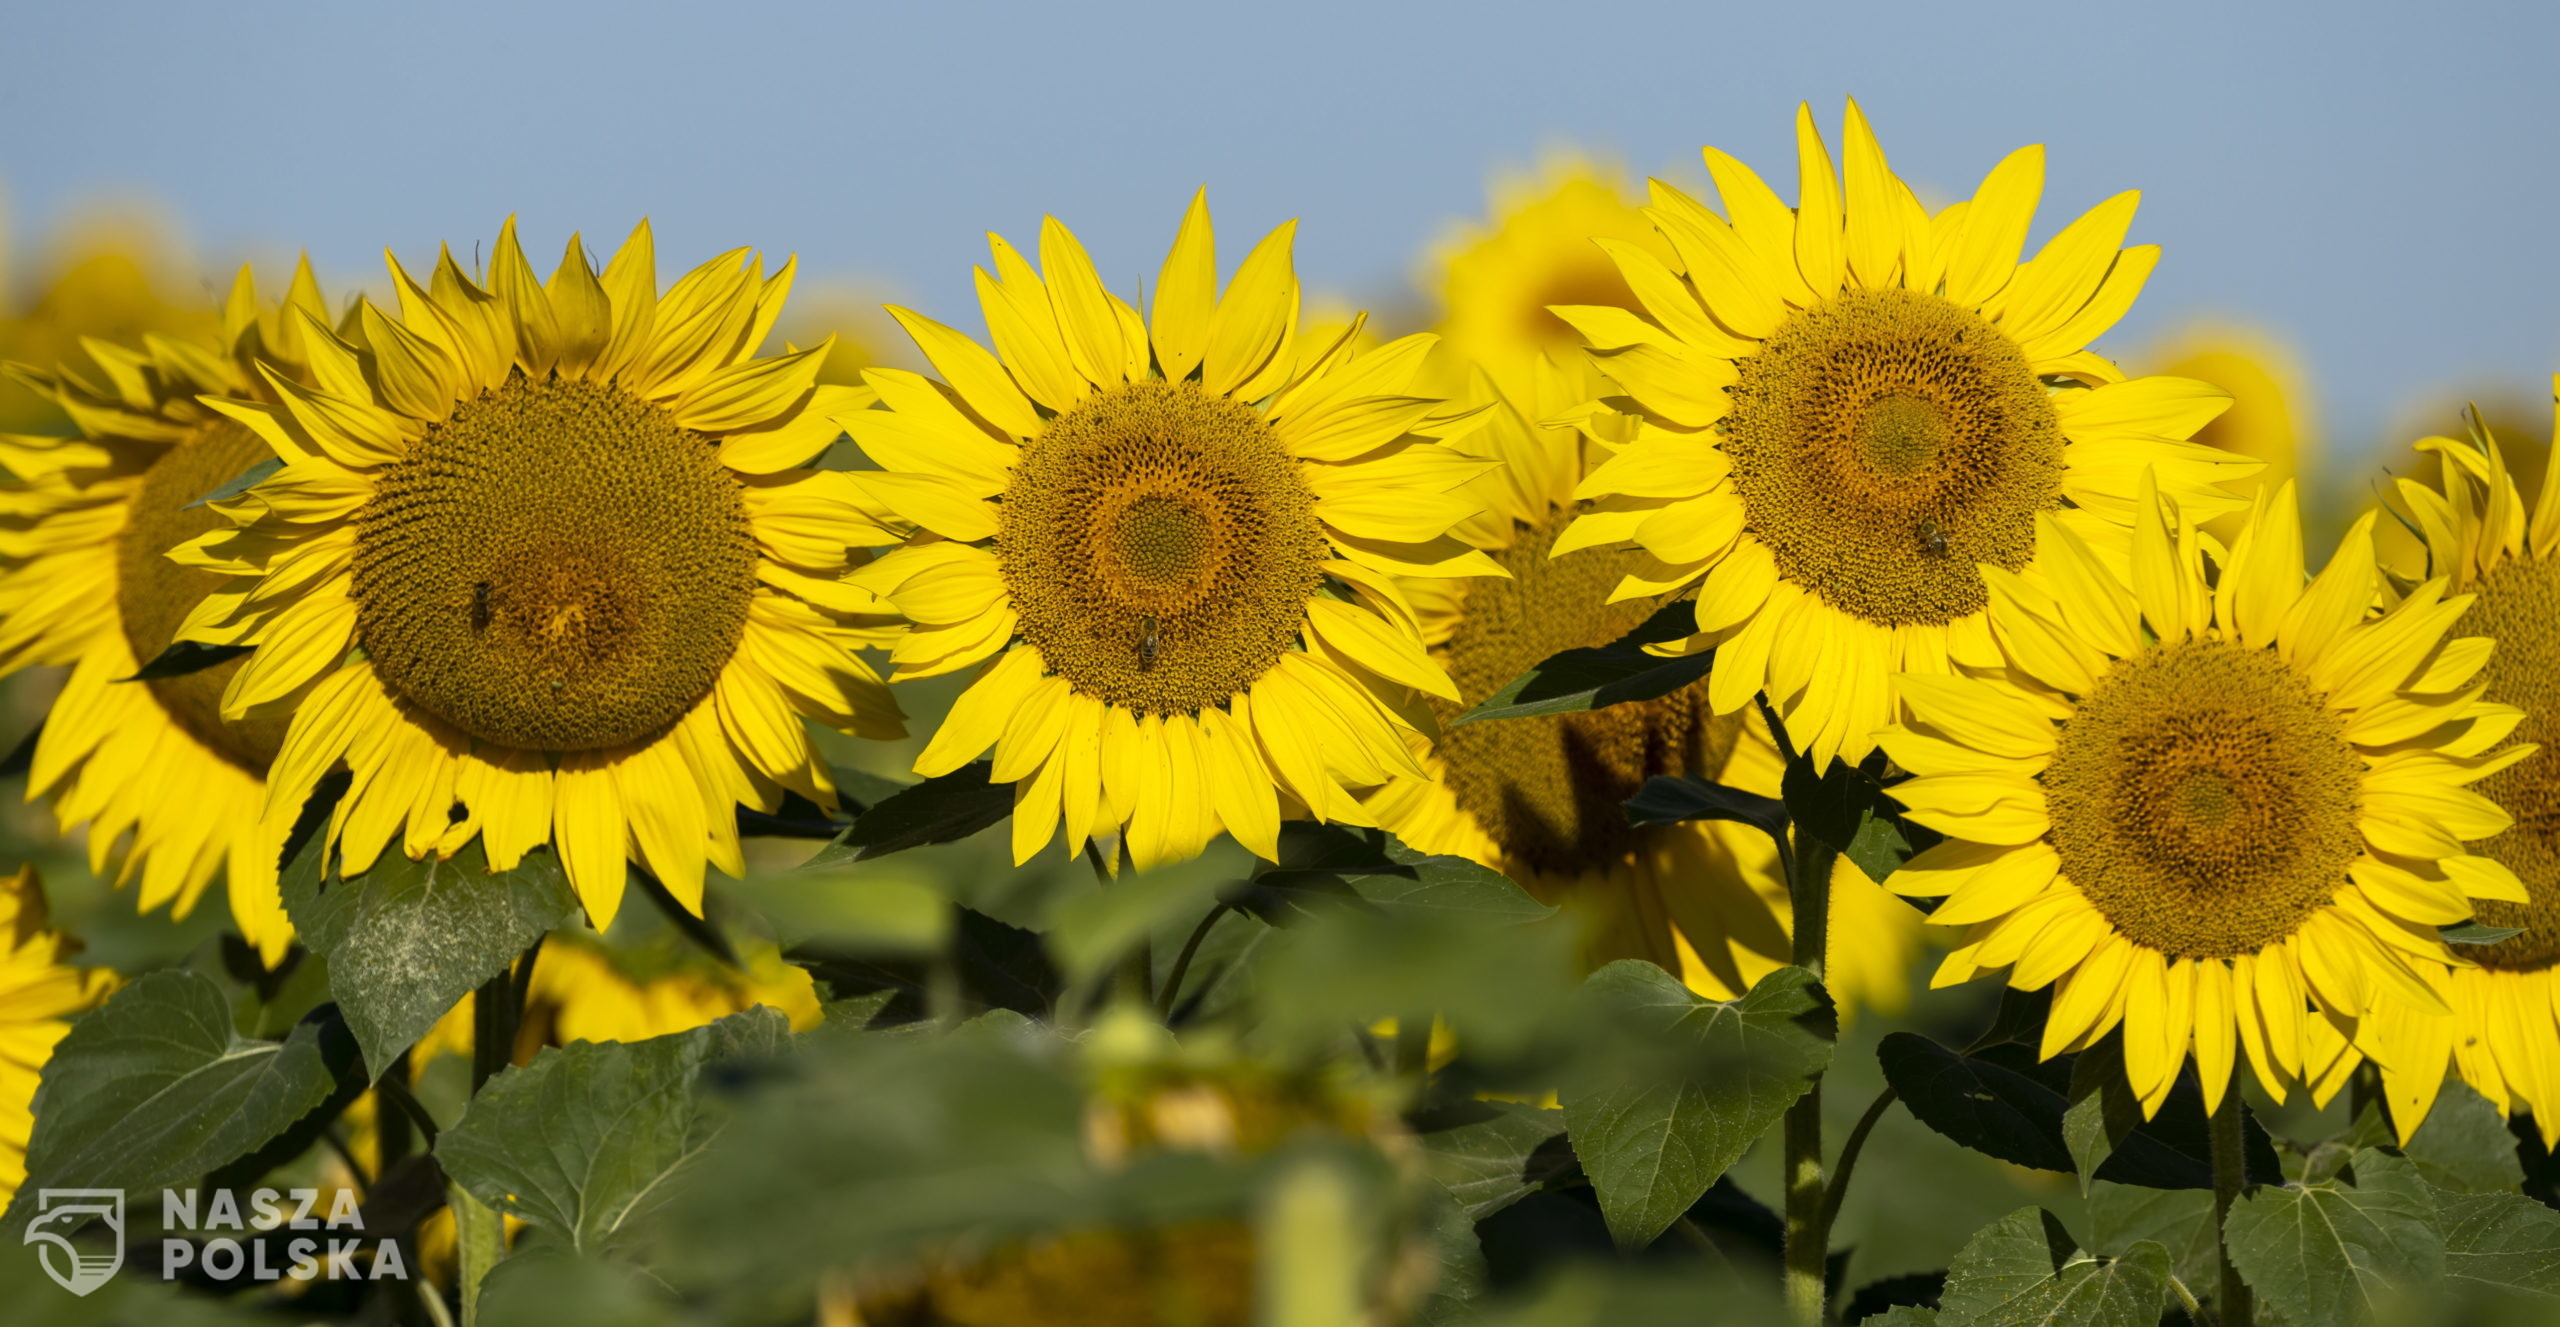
(2222, 816)
(1166, 543)
(1497, 282)
(1838, 414)
(86, 584)
(541, 564)
(1543, 799)
(2480, 534)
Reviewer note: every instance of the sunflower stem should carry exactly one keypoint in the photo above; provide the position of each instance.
(1838, 1188)
(2232, 1308)
(1808, 1241)
(497, 1014)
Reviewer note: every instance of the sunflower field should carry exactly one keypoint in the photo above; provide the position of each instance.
(1741, 763)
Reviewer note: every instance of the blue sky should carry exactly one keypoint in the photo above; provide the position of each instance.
(2382, 193)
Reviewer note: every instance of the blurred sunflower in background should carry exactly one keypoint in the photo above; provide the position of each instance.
(594, 596)
(39, 993)
(1843, 410)
(1171, 542)
(1542, 799)
(2503, 1036)
(113, 274)
(1493, 284)
(2270, 419)
(2232, 834)
(85, 581)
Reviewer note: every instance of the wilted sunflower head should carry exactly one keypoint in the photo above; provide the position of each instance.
(1844, 411)
(547, 545)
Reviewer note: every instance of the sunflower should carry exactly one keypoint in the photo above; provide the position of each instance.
(2270, 416)
(114, 275)
(83, 582)
(591, 598)
(1541, 799)
(2208, 813)
(1169, 542)
(2504, 1035)
(1494, 284)
(38, 994)
(1840, 411)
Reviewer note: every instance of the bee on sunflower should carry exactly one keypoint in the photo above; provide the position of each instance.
(542, 566)
(1841, 411)
(1167, 545)
(2222, 815)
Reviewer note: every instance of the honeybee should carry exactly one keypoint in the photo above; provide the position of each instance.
(1146, 642)
(480, 606)
(1933, 541)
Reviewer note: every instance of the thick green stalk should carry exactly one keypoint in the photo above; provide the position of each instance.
(2230, 1176)
(1808, 1243)
(497, 1012)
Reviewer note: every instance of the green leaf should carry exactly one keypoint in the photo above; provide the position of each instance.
(582, 1140)
(1397, 880)
(2477, 933)
(1090, 928)
(239, 483)
(1845, 806)
(547, 1286)
(1654, 1134)
(1495, 1153)
(2181, 1220)
(406, 940)
(2026, 1269)
(941, 810)
(1666, 799)
(2464, 1145)
(1602, 675)
(2332, 1254)
(184, 657)
(2003, 1102)
(2505, 1242)
(1881, 844)
(154, 1089)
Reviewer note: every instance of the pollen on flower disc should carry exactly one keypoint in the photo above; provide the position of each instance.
(1884, 443)
(1160, 545)
(556, 566)
(2204, 798)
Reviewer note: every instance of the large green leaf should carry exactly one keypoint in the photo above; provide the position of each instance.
(1491, 1154)
(1320, 862)
(580, 1141)
(940, 810)
(2026, 1269)
(2332, 1253)
(2002, 1101)
(407, 940)
(2180, 1220)
(1601, 675)
(154, 1089)
(1089, 928)
(2464, 1144)
(2502, 1242)
(1656, 1125)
